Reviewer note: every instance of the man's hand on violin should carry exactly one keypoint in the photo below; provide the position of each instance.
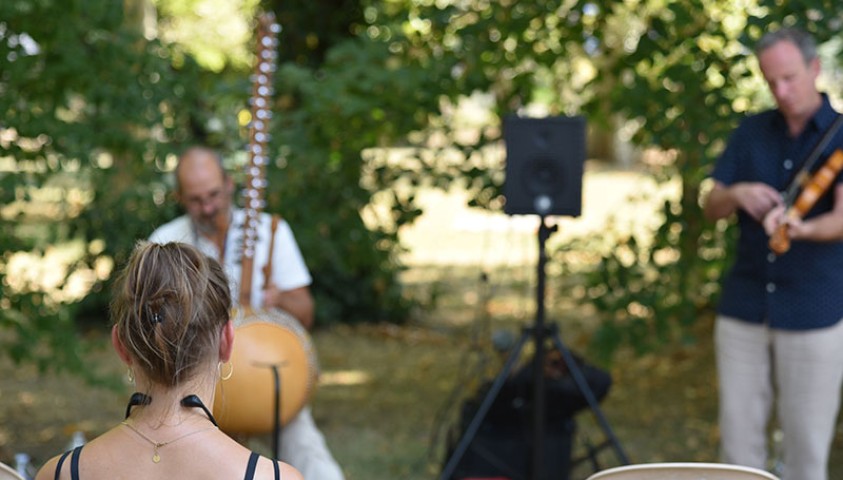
(774, 219)
(757, 199)
(796, 228)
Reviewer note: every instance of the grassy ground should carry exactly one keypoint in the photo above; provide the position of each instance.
(388, 394)
(661, 407)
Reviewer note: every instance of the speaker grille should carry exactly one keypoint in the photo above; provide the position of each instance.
(544, 165)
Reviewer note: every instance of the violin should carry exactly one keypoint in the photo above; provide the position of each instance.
(811, 192)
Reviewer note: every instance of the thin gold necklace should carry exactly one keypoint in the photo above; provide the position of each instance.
(156, 445)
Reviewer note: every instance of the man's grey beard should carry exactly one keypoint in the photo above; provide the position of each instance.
(208, 225)
(205, 227)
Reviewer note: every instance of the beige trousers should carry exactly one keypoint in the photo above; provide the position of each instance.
(303, 446)
(803, 368)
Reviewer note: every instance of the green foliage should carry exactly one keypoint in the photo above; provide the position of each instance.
(87, 106)
(355, 101)
(642, 289)
(93, 111)
(312, 28)
(680, 82)
(678, 69)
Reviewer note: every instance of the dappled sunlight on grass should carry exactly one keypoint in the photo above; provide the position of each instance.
(450, 233)
(343, 378)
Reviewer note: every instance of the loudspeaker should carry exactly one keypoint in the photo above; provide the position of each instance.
(544, 165)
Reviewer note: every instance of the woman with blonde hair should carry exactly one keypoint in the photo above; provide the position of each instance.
(171, 310)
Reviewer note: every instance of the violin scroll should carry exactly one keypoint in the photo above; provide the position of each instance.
(780, 240)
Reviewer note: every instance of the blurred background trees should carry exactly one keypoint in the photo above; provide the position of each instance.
(98, 97)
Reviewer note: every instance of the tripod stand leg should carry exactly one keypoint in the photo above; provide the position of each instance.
(485, 405)
(586, 391)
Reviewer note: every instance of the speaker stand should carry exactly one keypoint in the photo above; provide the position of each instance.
(539, 332)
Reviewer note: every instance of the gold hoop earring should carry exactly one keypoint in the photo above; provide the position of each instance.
(230, 370)
(130, 375)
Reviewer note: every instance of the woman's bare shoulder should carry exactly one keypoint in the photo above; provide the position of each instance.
(48, 470)
(267, 471)
(288, 472)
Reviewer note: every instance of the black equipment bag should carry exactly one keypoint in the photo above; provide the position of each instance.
(501, 447)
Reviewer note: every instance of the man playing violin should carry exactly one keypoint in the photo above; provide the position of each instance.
(778, 329)
(211, 223)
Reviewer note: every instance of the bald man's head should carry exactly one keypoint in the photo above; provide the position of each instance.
(204, 189)
(197, 159)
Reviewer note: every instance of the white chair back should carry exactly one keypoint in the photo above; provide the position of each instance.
(8, 473)
(683, 471)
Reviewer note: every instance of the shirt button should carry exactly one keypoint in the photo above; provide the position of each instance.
(771, 257)
(788, 164)
(771, 287)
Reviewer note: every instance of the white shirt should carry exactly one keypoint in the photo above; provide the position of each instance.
(288, 268)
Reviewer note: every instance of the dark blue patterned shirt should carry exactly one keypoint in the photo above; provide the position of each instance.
(803, 288)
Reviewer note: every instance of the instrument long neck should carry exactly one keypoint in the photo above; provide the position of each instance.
(255, 185)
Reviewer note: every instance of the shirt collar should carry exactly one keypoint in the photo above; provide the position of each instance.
(821, 120)
(825, 115)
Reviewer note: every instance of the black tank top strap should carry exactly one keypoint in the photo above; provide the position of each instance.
(61, 463)
(74, 463)
(251, 468)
